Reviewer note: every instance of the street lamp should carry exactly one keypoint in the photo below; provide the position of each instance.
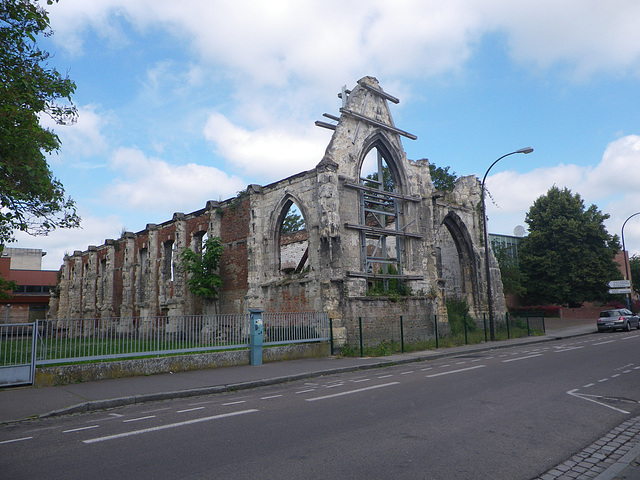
(486, 241)
(626, 260)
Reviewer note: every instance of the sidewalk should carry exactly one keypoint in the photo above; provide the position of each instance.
(22, 403)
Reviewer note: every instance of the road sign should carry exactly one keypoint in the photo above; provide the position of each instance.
(619, 291)
(619, 284)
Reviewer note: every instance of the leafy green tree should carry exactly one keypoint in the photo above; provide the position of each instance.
(388, 184)
(568, 256)
(292, 222)
(513, 279)
(441, 178)
(634, 270)
(204, 279)
(31, 199)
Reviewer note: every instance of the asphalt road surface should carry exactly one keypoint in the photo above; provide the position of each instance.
(502, 414)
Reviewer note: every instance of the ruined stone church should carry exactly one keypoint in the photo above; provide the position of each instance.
(376, 239)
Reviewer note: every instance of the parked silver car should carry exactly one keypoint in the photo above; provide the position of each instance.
(620, 318)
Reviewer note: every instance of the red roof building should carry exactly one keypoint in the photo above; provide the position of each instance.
(30, 301)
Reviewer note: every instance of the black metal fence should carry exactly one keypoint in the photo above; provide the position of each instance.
(372, 336)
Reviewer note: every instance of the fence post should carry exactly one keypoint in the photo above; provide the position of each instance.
(401, 335)
(506, 317)
(360, 327)
(544, 329)
(528, 330)
(484, 320)
(34, 346)
(331, 333)
(435, 318)
(464, 323)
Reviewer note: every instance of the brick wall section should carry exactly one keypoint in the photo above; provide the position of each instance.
(234, 263)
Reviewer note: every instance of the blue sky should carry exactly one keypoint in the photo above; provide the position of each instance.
(182, 102)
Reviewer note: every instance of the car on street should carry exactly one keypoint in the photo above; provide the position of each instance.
(619, 318)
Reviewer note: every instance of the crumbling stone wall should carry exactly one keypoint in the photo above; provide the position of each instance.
(437, 241)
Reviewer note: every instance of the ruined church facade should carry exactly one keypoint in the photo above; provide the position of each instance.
(364, 237)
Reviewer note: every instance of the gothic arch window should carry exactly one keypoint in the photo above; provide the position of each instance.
(292, 239)
(457, 261)
(380, 215)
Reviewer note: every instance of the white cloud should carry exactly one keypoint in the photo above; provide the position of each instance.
(586, 36)
(84, 138)
(271, 153)
(273, 43)
(93, 231)
(151, 184)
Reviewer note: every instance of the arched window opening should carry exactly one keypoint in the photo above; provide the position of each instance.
(293, 241)
(144, 272)
(457, 267)
(167, 270)
(376, 172)
(381, 229)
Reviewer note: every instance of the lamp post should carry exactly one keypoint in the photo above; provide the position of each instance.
(626, 260)
(492, 329)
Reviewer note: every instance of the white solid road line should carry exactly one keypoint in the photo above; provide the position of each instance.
(455, 371)
(164, 427)
(349, 392)
(522, 358)
(80, 429)
(16, 440)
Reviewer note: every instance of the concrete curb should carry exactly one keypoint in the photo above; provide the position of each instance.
(611, 472)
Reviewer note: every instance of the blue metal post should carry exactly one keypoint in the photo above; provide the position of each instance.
(256, 335)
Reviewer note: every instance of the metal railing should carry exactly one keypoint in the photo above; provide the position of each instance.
(302, 327)
(89, 339)
(17, 347)
(73, 340)
(376, 336)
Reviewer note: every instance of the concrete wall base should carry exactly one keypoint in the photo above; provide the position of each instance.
(89, 372)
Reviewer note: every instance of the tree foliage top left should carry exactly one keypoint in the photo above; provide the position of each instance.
(31, 199)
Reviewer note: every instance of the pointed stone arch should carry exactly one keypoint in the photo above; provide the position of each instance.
(295, 255)
(379, 142)
(465, 279)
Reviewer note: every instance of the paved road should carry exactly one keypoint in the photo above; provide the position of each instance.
(510, 413)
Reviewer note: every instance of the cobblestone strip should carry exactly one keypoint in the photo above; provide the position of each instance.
(594, 461)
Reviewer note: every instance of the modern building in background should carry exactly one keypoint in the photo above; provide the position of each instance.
(507, 243)
(30, 301)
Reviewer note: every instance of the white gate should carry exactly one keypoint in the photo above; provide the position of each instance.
(17, 353)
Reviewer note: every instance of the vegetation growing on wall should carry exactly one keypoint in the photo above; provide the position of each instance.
(392, 287)
(204, 279)
(458, 313)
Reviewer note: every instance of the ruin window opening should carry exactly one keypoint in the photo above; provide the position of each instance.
(102, 281)
(199, 238)
(381, 235)
(168, 264)
(293, 240)
(144, 271)
(457, 261)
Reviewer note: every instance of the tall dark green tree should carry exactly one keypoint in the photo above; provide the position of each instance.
(31, 199)
(568, 256)
(634, 270)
